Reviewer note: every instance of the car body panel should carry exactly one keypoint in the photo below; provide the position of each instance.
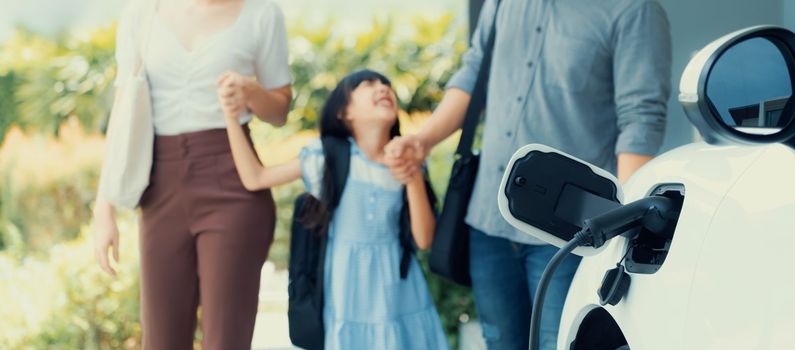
(652, 315)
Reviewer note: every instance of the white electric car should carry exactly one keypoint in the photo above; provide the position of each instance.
(717, 272)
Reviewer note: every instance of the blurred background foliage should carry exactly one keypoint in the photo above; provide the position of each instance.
(55, 98)
(53, 80)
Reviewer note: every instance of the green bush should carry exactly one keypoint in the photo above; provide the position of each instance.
(8, 104)
(64, 301)
(59, 79)
(47, 187)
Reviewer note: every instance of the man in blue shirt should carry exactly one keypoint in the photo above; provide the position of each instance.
(590, 78)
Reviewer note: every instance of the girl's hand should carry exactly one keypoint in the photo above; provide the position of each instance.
(404, 169)
(106, 235)
(404, 157)
(233, 93)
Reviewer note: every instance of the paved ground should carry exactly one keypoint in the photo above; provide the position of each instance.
(270, 331)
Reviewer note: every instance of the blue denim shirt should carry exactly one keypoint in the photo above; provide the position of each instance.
(590, 78)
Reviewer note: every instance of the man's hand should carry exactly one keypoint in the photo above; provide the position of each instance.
(410, 147)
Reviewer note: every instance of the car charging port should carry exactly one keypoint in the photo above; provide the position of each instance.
(647, 250)
(656, 214)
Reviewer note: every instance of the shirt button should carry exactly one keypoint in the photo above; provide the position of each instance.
(509, 134)
(519, 99)
(501, 169)
(538, 29)
(529, 64)
(370, 217)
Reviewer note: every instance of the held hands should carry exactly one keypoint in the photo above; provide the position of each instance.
(233, 93)
(404, 157)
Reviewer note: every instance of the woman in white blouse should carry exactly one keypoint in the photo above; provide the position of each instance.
(203, 237)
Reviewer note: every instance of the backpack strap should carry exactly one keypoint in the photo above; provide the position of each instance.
(337, 153)
(406, 240)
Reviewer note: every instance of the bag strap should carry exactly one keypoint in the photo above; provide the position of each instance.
(478, 100)
(147, 22)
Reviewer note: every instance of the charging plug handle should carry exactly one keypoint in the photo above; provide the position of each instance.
(653, 213)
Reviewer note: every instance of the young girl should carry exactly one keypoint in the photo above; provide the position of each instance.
(366, 303)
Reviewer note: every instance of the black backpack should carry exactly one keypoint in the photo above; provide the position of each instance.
(308, 251)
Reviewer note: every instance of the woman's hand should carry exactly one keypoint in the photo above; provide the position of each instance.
(106, 235)
(233, 93)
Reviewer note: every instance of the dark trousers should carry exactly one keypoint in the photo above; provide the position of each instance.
(204, 239)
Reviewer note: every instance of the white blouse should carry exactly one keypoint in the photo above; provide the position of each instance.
(183, 82)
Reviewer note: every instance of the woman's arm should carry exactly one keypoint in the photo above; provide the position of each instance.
(253, 175)
(270, 106)
(423, 220)
(106, 231)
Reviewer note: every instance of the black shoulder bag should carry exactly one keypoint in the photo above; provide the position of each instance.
(450, 248)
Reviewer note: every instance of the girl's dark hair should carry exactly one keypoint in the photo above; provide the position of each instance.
(332, 123)
(318, 214)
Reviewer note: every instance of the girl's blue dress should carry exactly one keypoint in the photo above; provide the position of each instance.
(367, 305)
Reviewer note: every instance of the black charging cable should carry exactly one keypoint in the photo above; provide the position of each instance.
(543, 285)
(654, 213)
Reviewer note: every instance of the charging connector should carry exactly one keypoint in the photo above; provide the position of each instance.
(654, 213)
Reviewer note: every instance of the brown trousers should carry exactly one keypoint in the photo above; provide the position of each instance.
(204, 239)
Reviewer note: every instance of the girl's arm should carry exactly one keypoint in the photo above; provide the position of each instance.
(423, 220)
(253, 175)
